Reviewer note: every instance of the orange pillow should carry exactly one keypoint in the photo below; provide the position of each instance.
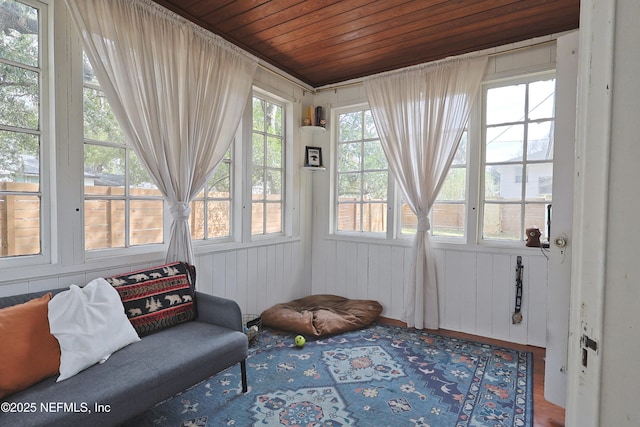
(28, 351)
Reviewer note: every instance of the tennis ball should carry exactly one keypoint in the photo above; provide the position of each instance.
(300, 340)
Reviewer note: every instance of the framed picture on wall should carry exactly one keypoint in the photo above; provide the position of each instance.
(313, 157)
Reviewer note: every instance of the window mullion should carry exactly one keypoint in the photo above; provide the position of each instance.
(523, 184)
(264, 176)
(474, 184)
(246, 172)
(525, 158)
(361, 173)
(392, 206)
(205, 210)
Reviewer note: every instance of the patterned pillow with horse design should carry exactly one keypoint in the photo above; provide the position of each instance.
(158, 297)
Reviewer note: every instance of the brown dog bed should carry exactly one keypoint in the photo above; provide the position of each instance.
(319, 315)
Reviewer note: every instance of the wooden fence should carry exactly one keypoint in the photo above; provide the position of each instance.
(447, 219)
(503, 220)
(373, 218)
(104, 219)
(19, 220)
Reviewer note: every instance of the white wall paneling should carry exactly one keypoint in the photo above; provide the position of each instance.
(476, 287)
(80, 278)
(256, 277)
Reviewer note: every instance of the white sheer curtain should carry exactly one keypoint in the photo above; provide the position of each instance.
(420, 115)
(177, 91)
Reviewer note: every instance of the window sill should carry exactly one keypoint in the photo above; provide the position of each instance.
(369, 239)
(490, 248)
(55, 275)
(407, 242)
(206, 247)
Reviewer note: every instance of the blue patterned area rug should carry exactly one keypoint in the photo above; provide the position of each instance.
(378, 376)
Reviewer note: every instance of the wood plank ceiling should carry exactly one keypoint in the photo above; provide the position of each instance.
(323, 42)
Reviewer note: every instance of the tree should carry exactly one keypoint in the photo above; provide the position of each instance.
(267, 149)
(19, 87)
(100, 125)
(362, 164)
(455, 184)
(17, 17)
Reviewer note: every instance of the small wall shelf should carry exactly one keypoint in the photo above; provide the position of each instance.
(314, 168)
(313, 129)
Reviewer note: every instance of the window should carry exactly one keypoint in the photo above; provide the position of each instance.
(518, 125)
(23, 141)
(122, 206)
(362, 175)
(211, 209)
(448, 214)
(504, 161)
(268, 166)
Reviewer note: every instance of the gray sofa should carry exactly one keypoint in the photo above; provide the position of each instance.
(138, 376)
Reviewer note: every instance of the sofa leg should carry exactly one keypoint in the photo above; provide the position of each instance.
(243, 370)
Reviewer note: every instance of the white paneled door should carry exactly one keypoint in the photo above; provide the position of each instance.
(555, 384)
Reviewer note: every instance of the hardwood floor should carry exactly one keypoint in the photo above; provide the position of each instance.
(545, 414)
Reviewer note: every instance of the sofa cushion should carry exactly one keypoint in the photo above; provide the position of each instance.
(190, 350)
(159, 297)
(89, 324)
(29, 353)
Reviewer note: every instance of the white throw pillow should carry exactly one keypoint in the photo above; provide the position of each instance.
(90, 324)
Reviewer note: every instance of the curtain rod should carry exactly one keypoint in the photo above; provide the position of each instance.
(282, 75)
(359, 82)
(491, 55)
